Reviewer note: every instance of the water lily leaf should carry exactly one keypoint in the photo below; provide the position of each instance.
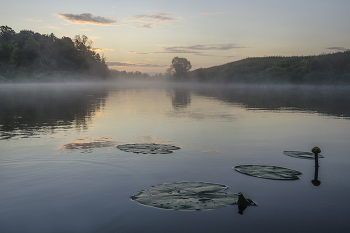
(148, 148)
(268, 172)
(301, 154)
(186, 196)
(88, 143)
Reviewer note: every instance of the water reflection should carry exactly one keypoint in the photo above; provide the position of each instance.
(316, 150)
(181, 98)
(241, 209)
(31, 110)
(333, 101)
(315, 181)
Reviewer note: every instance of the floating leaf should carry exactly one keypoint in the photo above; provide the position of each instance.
(89, 143)
(301, 154)
(268, 172)
(186, 196)
(148, 148)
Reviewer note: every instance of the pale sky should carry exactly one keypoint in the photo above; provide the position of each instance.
(145, 35)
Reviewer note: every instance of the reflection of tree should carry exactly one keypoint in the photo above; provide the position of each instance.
(324, 100)
(27, 110)
(181, 98)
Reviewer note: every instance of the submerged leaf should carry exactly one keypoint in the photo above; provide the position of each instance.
(268, 172)
(301, 154)
(186, 196)
(148, 148)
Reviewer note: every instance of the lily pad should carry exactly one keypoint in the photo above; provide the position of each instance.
(301, 154)
(186, 196)
(87, 144)
(268, 172)
(148, 148)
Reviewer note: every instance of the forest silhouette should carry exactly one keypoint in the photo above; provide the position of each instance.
(29, 56)
(333, 68)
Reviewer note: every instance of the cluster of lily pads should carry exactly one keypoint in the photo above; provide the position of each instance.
(182, 195)
(205, 196)
(195, 195)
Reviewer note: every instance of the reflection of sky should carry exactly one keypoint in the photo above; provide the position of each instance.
(70, 189)
(147, 115)
(146, 35)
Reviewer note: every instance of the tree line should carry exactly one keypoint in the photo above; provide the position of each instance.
(28, 54)
(31, 56)
(333, 68)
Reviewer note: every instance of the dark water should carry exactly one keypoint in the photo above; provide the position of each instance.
(60, 171)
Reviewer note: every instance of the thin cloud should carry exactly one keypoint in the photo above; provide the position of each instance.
(100, 49)
(136, 52)
(97, 49)
(53, 27)
(156, 17)
(213, 13)
(151, 20)
(338, 48)
(86, 30)
(87, 18)
(209, 55)
(143, 26)
(33, 20)
(198, 48)
(94, 37)
(175, 50)
(208, 47)
(133, 64)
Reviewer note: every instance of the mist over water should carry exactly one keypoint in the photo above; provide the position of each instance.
(32, 108)
(60, 170)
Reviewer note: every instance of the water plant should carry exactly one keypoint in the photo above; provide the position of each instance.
(243, 203)
(316, 150)
(148, 148)
(87, 144)
(187, 196)
(268, 172)
(302, 154)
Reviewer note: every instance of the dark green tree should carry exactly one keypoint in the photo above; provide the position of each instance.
(21, 37)
(8, 51)
(181, 66)
(6, 34)
(33, 55)
(30, 56)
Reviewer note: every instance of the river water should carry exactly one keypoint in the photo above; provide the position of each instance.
(61, 172)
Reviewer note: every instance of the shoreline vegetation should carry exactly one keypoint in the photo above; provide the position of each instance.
(33, 57)
(29, 56)
(332, 68)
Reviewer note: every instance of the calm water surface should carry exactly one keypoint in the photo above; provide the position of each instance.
(60, 170)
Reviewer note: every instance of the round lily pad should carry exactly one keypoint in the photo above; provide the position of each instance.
(186, 196)
(301, 154)
(268, 172)
(148, 148)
